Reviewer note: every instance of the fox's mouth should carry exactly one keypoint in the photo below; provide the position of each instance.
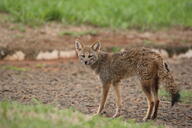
(87, 63)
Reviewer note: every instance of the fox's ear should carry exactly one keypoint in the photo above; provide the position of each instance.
(96, 46)
(78, 46)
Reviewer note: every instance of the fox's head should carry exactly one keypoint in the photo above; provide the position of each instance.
(88, 55)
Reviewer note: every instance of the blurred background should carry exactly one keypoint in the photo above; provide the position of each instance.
(38, 64)
(42, 25)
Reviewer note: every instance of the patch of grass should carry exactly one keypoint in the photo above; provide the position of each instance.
(77, 34)
(186, 95)
(19, 27)
(53, 14)
(15, 115)
(19, 35)
(40, 65)
(115, 49)
(4, 18)
(148, 42)
(109, 13)
(14, 68)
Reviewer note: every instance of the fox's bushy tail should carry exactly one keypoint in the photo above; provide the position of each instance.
(170, 86)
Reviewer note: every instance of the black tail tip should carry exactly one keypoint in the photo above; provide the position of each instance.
(175, 98)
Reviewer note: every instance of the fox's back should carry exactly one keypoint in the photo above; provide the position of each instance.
(133, 61)
(135, 54)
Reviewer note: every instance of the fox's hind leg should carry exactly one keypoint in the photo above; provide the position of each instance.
(155, 88)
(118, 100)
(146, 86)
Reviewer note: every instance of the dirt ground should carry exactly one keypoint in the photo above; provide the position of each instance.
(50, 37)
(67, 83)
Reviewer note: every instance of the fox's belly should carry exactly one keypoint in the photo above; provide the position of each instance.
(125, 73)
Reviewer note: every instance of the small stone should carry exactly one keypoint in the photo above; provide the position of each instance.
(67, 54)
(48, 55)
(188, 54)
(19, 55)
(162, 52)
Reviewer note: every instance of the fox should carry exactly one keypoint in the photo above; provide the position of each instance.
(146, 64)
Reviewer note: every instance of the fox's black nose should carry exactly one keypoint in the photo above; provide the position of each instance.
(86, 62)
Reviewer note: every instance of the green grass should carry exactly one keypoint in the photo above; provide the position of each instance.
(40, 65)
(19, 27)
(4, 18)
(15, 115)
(14, 68)
(104, 13)
(78, 34)
(186, 95)
(115, 49)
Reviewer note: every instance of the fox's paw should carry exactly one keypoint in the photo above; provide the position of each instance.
(117, 113)
(154, 116)
(146, 119)
(99, 113)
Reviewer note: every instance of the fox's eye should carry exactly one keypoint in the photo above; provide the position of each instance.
(89, 56)
(82, 56)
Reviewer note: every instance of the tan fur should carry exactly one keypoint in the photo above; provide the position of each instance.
(141, 62)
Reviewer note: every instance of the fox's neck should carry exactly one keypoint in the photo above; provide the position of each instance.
(103, 57)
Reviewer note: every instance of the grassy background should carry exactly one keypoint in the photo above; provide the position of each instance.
(15, 115)
(186, 95)
(103, 13)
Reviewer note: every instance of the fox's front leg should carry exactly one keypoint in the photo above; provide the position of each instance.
(105, 90)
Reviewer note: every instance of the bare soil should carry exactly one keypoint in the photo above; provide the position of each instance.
(67, 83)
(50, 37)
